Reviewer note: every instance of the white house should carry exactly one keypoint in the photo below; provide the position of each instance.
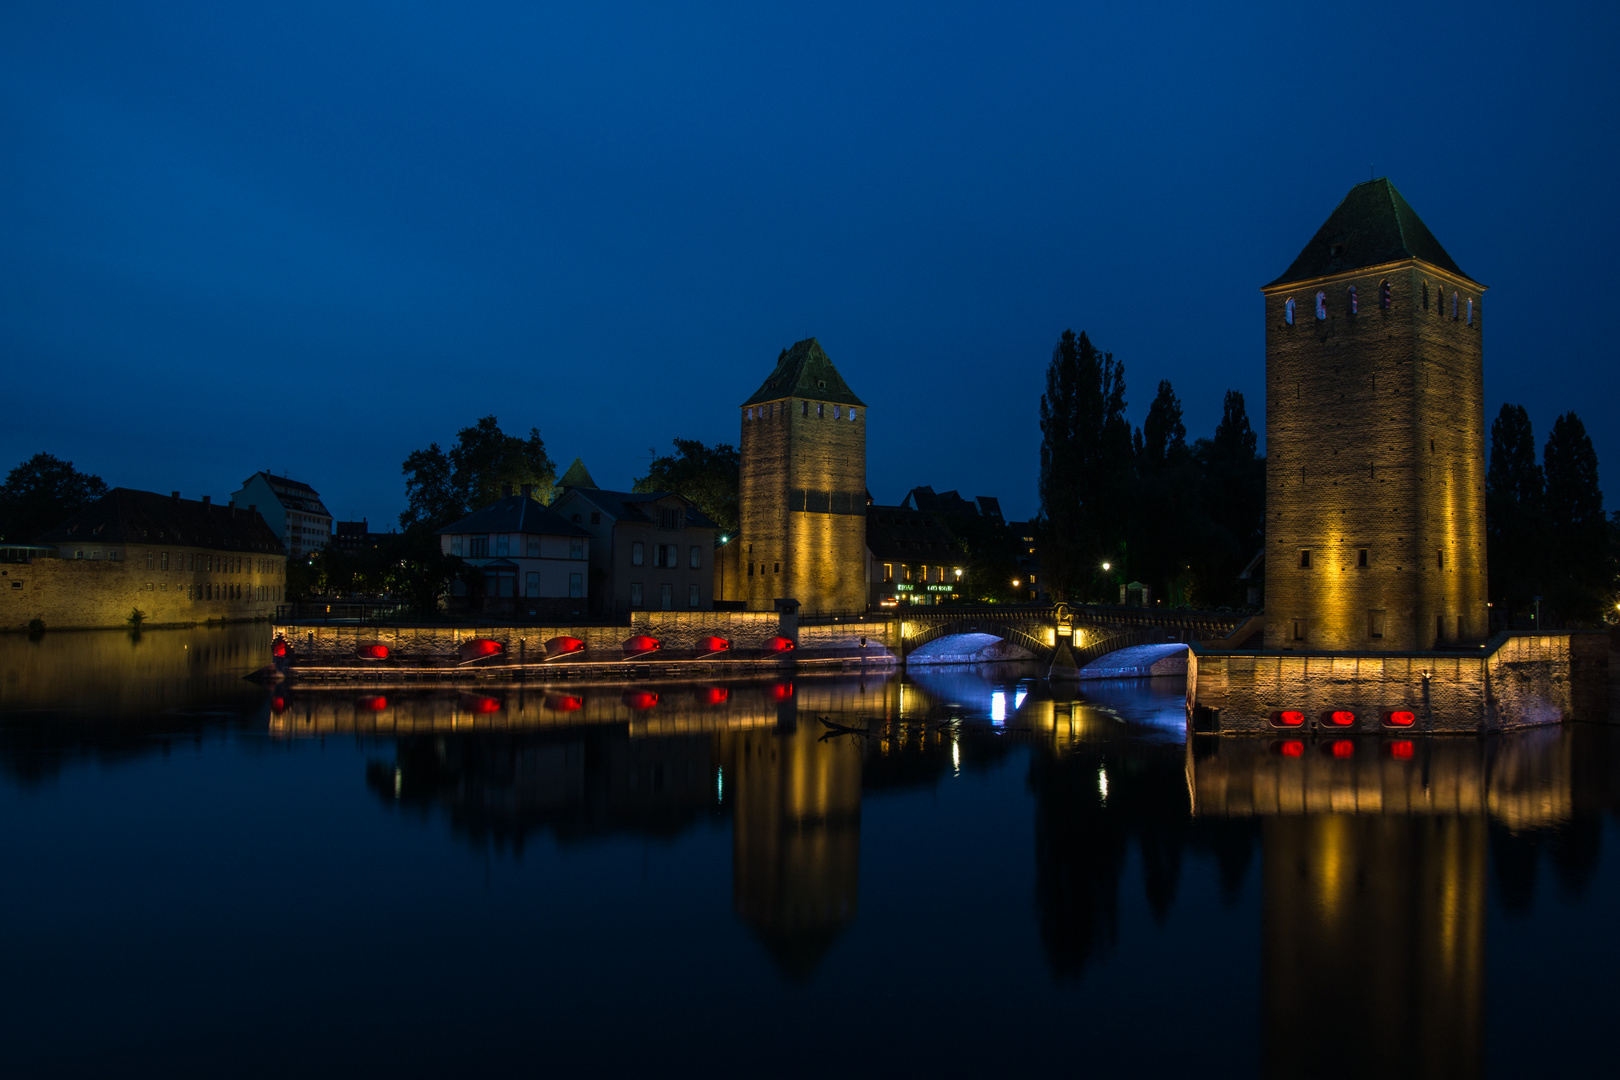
(532, 561)
(291, 508)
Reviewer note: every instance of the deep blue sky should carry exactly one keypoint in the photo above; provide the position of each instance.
(313, 237)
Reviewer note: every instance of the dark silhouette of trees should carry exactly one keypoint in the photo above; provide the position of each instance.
(441, 486)
(710, 476)
(40, 494)
(1513, 513)
(1087, 470)
(1579, 576)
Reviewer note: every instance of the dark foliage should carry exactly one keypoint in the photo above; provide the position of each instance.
(710, 476)
(1513, 514)
(441, 486)
(40, 494)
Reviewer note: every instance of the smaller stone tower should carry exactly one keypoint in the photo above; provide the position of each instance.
(1375, 437)
(802, 505)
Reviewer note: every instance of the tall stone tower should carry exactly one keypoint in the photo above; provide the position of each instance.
(803, 497)
(1375, 437)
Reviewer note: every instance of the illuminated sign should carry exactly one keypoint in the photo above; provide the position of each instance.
(941, 588)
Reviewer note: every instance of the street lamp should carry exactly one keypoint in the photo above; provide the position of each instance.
(1108, 566)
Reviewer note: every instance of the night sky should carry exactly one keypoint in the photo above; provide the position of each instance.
(314, 237)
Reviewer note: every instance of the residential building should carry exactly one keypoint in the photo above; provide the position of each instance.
(354, 537)
(531, 561)
(911, 557)
(175, 561)
(292, 509)
(653, 551)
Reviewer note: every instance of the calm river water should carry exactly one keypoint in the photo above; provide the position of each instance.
(963, 875)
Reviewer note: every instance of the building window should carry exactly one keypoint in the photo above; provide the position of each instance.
(1288, 311)
(638, 554)
(666, 596)
(576, 586)
(776, 568)
(750, 569)
(1454, 306)
(1352, 299)
(635, 594)
(804, 408)
(836, 414)
(1375, 624)
(1304, 558)
(1384, 296)
(852, 413)
(697, 557)
(908, 573)
(503, 544)
(150, 565)
(1439, 559)
(1470, 313)
(532, 547)
(455, 545)
(821, 410)
(1321, 305)
(596, 517)
(1361, 558)
(477, 546)
(163, 561)
(574, 519)
(1299, 629)
(576, 547)
(694, 597)
(888, 571)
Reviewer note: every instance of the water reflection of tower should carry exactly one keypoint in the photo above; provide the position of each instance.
(796, 837)
(1378, 922)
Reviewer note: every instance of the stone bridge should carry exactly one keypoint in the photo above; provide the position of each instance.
(1061, 635)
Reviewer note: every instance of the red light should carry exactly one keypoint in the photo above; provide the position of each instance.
(559, 646)
(713, 644)
(1339, 718)
(278, 647)
(1288, 748)
(781, 644)
(640, 699)
(1401, 749)
(478, 703)
(564, 702)
(1342, 748)
(1288, 718)
(1401, 718)
(641, 643)
(374, 652)
(278, 705)
(376, 703)
(714, 695)
(782, 691)
(479, 649)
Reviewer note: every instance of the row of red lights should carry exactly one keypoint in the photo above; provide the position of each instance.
(1399, 749)
(1340, 718)
(636, 699)
(479, 648)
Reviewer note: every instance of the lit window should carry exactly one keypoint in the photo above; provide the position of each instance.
(836, 414)
(1288, 311)
(888, 571)
(1470, 313)
(1352, 299)
(852, 412)
(1321, 305)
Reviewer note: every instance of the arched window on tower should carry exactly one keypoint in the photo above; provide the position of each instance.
(1385, 298)
(852, 413)
(1454, 305)
(1470, 312)
(1288, 311)
(1352, 299)
(804, 408)
(1425, 296)
(1321, 305)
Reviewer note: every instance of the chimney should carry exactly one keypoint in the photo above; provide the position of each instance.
(506, 491)
(528, 491)
(207, 499)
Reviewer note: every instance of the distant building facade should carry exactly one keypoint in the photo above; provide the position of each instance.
(1375, 436)
(912, 558)
(177, 561)
(355, 537)
(651, 551)
(531, 561)
(802, 503)
(292, 509)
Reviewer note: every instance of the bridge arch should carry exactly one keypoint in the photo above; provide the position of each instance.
(970, 625)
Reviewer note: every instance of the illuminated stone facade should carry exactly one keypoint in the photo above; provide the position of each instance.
(1375, 428)
(803, 491)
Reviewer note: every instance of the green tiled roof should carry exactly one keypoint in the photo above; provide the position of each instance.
(1372, 226)
(576, 476)
(805, 371)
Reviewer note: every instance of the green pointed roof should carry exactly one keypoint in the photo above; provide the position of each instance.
(577, 476)
(805, 371)
(1372, 226)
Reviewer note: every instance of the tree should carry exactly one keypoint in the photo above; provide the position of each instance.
(1165, 500)
(40, 494)
(441, 486)
(710, 476)
(1514, 491)
(1163, 438)
(1086, 467)
(1230, 525)
(1578, 577)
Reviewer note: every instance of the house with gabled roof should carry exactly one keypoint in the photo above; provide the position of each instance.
(530, 561)
(652, 551)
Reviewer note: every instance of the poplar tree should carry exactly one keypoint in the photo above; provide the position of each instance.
(1579, 575)
(1514, 525)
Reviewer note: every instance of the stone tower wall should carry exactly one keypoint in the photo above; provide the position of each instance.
(1375, 441)
(803, 506)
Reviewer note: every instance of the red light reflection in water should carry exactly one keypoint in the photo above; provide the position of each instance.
(1342, 748)
(372, 703)
(278, 704)
(782, 691)
(1401, 749)
(1288, 748)
(478, 703)
(713, 695)
(564, 702)
(640, 699)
